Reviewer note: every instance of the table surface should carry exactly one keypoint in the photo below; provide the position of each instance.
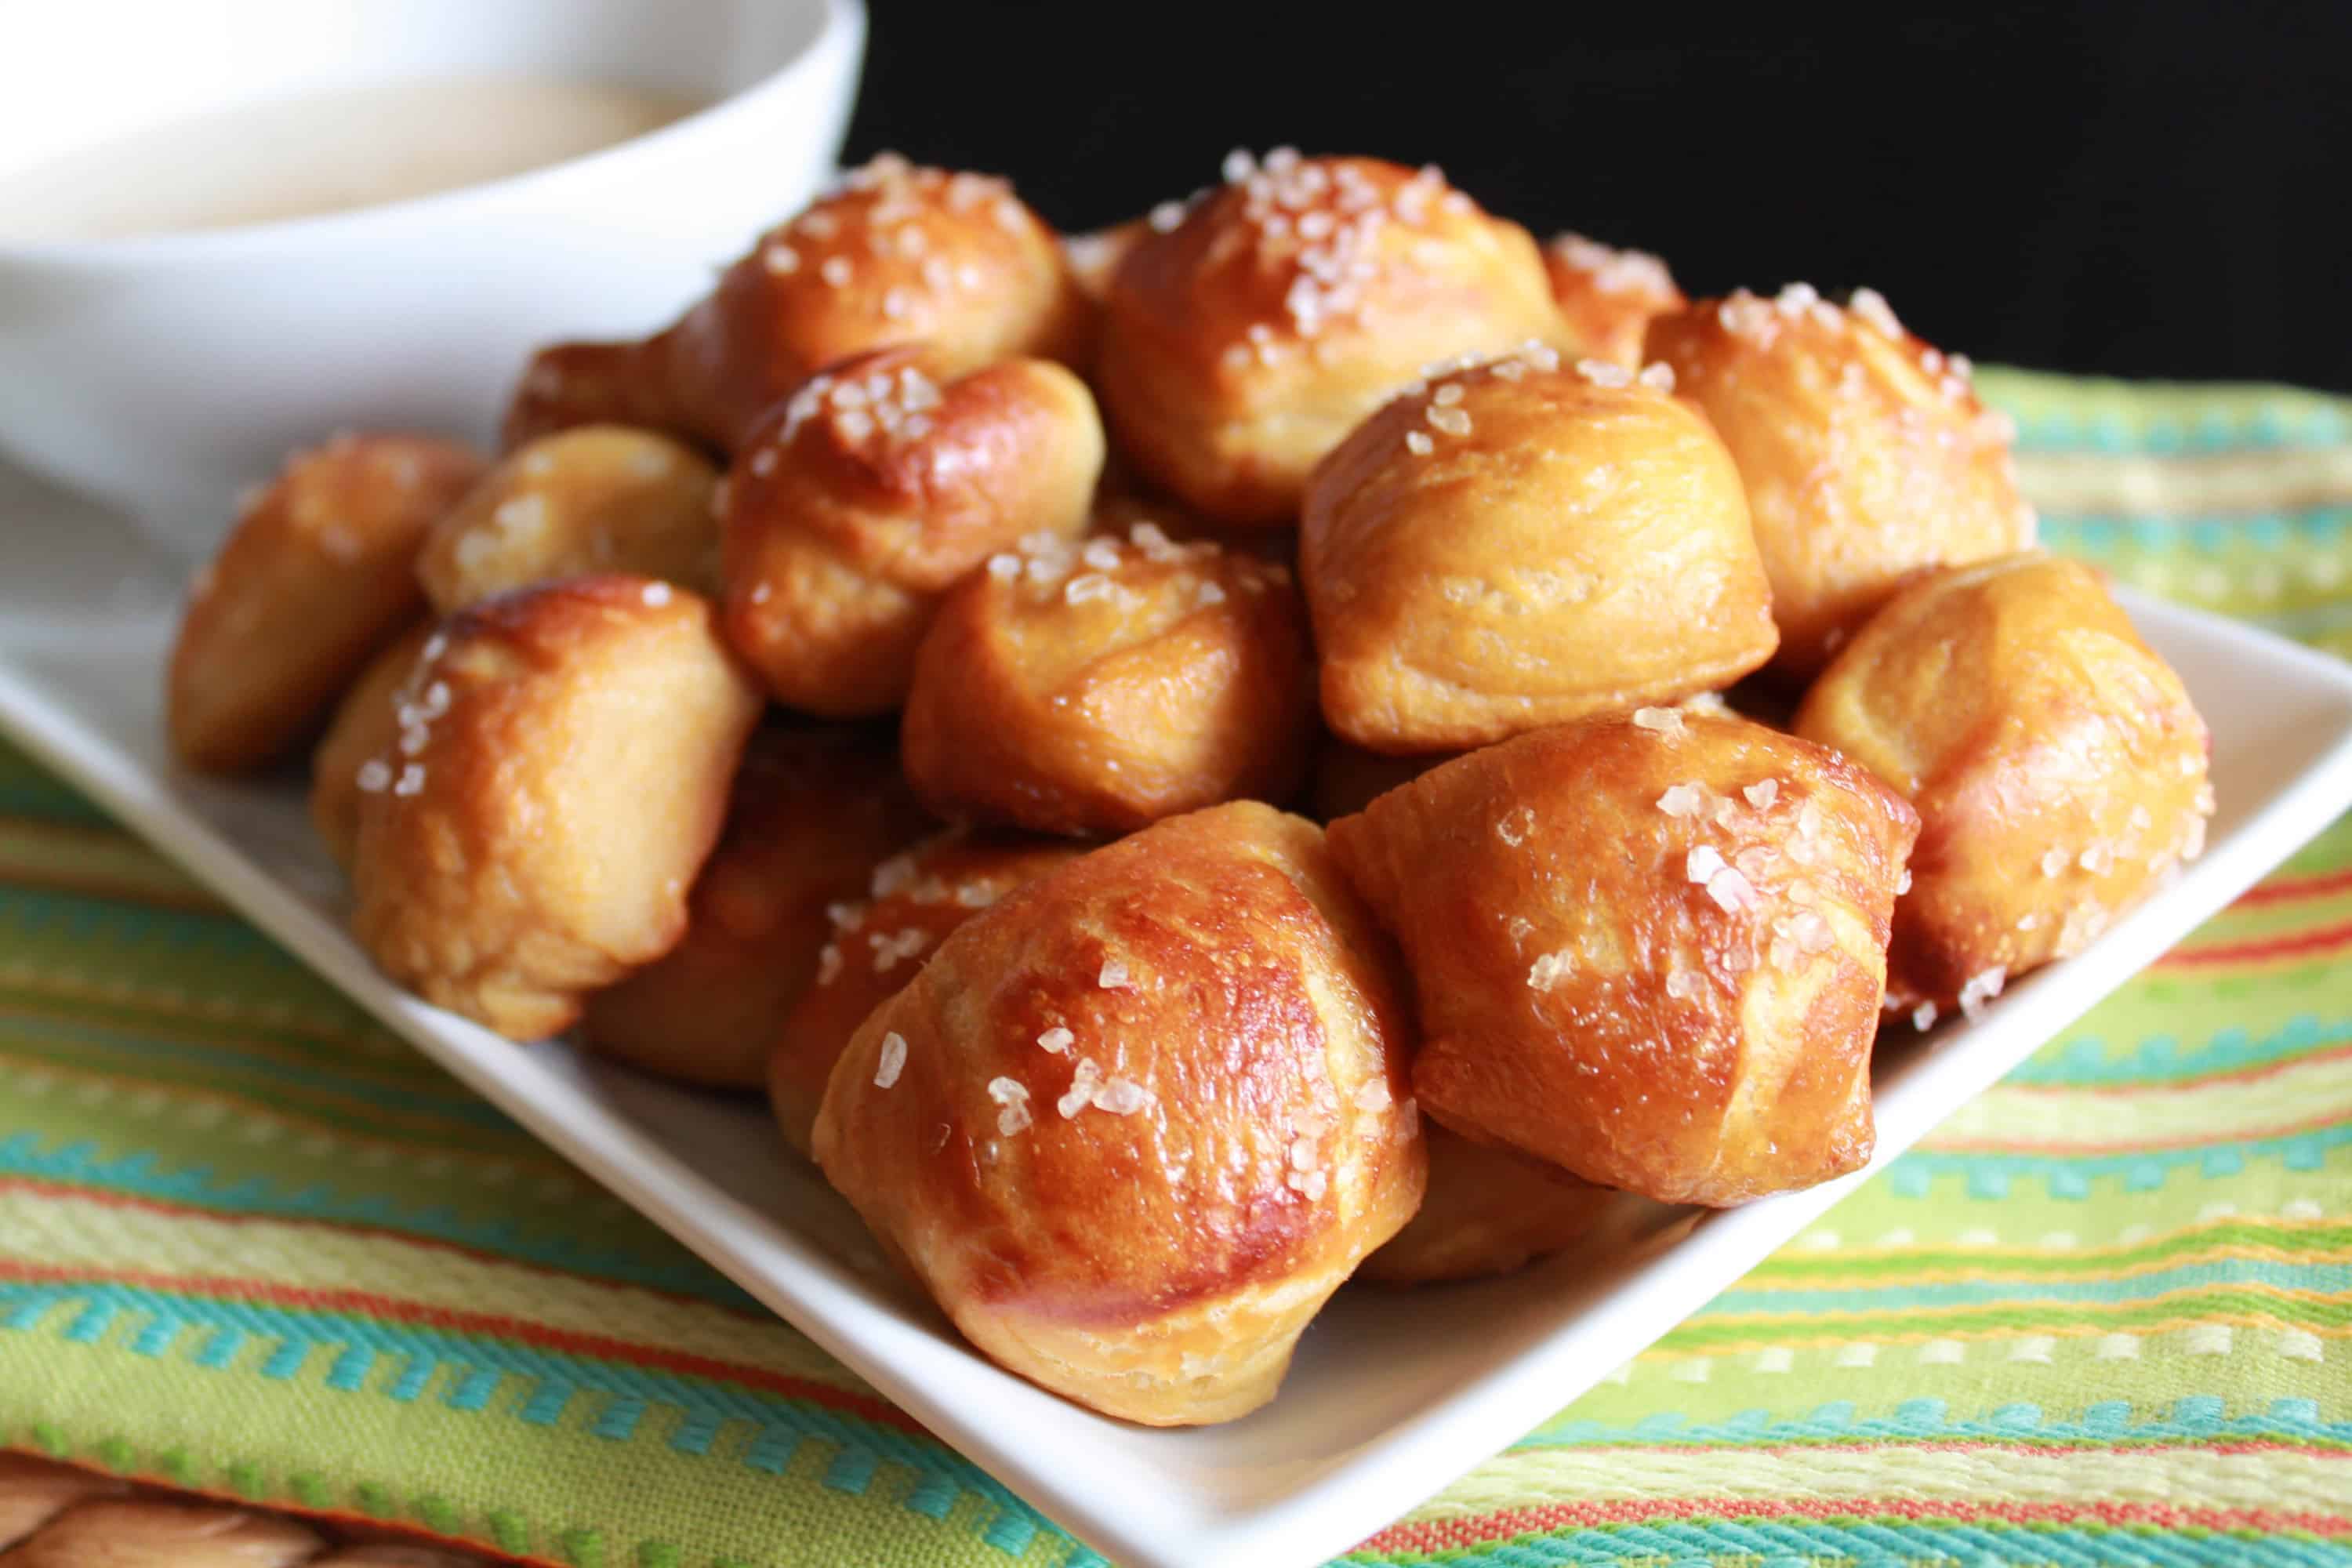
(250, 1244)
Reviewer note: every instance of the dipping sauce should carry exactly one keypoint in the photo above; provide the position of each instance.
(327, 153)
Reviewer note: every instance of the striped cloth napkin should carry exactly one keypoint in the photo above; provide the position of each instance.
(252, 1245)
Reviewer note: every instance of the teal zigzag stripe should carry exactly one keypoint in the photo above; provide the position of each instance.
(1990, 1176)
(2335, 1278)
(668, 1268)
(2263, 428)
(402, 1360)
(1812, 1543)
(2192, 1418)
(2082, 1062)
(2207, 535)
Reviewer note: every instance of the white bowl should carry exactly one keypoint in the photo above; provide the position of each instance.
(163, 373)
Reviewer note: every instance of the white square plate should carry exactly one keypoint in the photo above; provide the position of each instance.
(1393, 1394)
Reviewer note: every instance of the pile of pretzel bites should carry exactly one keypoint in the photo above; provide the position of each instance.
(1303, 733)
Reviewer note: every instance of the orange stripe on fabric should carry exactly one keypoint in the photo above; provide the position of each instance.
(1437, 1535)
(2301, 943)
(2287, 889)
(362, 1303)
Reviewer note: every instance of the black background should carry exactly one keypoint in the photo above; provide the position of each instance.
(2137, 190)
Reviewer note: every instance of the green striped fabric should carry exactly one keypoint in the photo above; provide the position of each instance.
(249, 1244)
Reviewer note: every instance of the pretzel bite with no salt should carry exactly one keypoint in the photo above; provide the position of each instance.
(1521, 542)
(878, 944)
(1093, 688)
(600, 498)
(1865, 453)
(2056, 763)
(1649, 950)
(898, 254)
(319, 573)
(863, 500)
(1489, 1210)
(1608, 297)
(813, 811)
(534, 834)
(1245, 336)
(1131, 1126)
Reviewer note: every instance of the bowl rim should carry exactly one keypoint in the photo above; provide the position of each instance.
(840, 34)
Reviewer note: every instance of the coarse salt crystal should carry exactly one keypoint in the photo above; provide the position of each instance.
(1013, 1096)
(411, 780)
(655, 594)
(1113, 975)
(892, 1061)
(1762, 794)
(1452, 421)
(1682, 800)
(1545, 970)
(1207, 593)
(1980, 989)
(1923, 1016)
(1005, 566)
(1121, 1096)
(1663, 721)
(1089, 585)
(1731, 892)
(1658, 375)
(1057, 1041)
(828, 963)
(1374, 1095)
(1904, 885)
(1418, 443)
(1703, 862)
(2054, 861)
(375, 775)
(1516, 824)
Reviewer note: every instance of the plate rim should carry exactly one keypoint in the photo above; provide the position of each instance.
(1352, 1497)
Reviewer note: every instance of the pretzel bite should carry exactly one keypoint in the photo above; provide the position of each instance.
(600, 497)
(1094, 257)
(1247, 333)
(533, 836)
(1866, 452)
(1094, 689)
(1607, 296)
(318, 574)
(2057, 767)
(878, 944)
(1649, 950)
(897, 255)
(1521, 542)
(814, 810)
(1488, 1211)
(1131, 1126)
(861, 499)
(365, 727)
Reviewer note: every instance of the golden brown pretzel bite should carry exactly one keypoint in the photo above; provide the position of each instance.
(1247, 334)
(1649, 950)
(1523, 541)
(898, 254)
(1488, 1210)
(860, 501)
(1865, 453)
(878, 944)
(318, 574)
(598, 497)
(813, 811)
(1608, 297)
(1094, 687)
(365, 727)
(535, 831)
(2057, 766)
(1131, 1126)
